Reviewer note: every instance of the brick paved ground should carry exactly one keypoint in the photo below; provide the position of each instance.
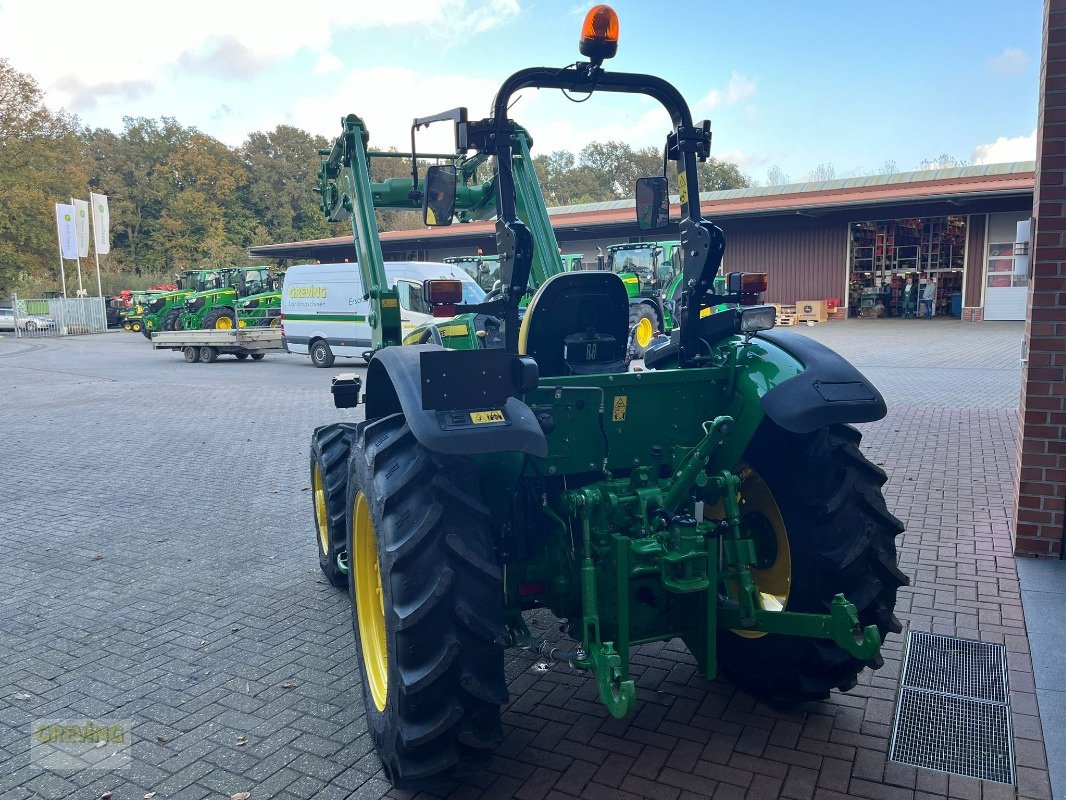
(175, 584)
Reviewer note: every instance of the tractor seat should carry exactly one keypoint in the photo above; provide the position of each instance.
(577, 323)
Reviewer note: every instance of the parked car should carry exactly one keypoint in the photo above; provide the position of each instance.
(26, 322)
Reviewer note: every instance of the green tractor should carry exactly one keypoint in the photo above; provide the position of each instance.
(163, 312)
(719, 496)
(651, 272)
(214, 306)
(262, 309)
(486, 269)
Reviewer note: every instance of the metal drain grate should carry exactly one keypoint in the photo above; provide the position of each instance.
(953, 712)
(956, 666)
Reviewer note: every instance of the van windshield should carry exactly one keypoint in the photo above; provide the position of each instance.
(472, 293)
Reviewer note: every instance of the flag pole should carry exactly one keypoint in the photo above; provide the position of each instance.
(77, 257)
(62, 266)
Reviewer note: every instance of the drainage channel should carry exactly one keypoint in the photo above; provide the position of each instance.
(953, 710)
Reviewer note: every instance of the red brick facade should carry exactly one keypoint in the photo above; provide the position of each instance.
(972, 314)
(1041, 492)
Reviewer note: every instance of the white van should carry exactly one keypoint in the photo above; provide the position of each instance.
(325, 316)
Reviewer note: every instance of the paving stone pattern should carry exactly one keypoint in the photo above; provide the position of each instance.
(175, 583)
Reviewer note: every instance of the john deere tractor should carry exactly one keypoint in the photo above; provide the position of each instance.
(214, 306)
(163, 312)
(486, 269)
(651, 272)
(719, 496)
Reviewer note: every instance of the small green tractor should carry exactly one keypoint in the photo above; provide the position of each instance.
(217, 306)
(163, 312)
(718, 496)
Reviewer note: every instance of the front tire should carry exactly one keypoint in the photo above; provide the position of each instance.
(643, 326)
(209, 355)
(330, 445)
(840, 539)
(172, 319)
(219, 319)
(192, 354)
(258, 356)
(432, 652)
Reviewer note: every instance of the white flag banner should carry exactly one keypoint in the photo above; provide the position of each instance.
(68, 233)
(81, 217)
(101, 223)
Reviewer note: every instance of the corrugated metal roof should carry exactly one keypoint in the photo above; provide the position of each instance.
(860, 182)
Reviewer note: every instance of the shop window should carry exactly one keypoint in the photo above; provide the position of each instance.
(1001, 265)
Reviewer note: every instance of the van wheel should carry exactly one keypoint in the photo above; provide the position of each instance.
(321, 355)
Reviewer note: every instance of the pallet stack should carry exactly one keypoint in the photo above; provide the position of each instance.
(786, 315)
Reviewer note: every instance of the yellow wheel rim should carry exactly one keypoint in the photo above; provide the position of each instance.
(645, 330)
(369, 601)
(761, 519)
(242, 324)
(321, 517)
(223, 324)
(275, 322)
(136, 327)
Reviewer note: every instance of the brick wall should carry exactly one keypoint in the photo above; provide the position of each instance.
(972, 314)
(1041, 489)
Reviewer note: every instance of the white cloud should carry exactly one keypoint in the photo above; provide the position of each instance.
(388, 98)
(1006, 149)
(327, 63)
(738, 88)
(1012, 61)
(126, 43)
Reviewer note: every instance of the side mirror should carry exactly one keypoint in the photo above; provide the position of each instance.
(438, 201)
(653, 203)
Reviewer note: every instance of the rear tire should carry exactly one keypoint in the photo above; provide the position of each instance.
(644, 324)
(241, 356)
(330, 445)
(208, 354)
(321, 355)
(841, 539)
(258, 356)
(442, 596)
(192, 354)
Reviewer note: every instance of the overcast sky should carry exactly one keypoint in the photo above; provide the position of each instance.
(796, 84)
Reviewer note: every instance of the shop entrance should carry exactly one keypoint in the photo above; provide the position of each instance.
(907, 268)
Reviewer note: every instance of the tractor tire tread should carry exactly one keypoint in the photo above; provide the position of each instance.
(843, 541)
(445, 642)
(329, 448)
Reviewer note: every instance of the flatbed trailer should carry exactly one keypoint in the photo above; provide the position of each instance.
(208, 345)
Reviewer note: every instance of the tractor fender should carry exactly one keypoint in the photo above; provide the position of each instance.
(829, 390)
(394, 384)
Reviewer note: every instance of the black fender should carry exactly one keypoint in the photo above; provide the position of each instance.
(394, 385)
(828, 391)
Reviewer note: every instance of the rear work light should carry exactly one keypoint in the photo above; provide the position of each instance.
(757, 318)
(749, 285)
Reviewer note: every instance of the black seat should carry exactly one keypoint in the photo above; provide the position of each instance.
(577, 323)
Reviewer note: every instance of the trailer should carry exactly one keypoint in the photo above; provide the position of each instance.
(207, 345)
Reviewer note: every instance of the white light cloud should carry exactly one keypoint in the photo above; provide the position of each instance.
(230, 39)
(388, 98)
(1006, 149)
(1012, 61)
(738, 88)
(326, 64)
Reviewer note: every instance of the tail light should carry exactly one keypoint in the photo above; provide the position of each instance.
(747, 284)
